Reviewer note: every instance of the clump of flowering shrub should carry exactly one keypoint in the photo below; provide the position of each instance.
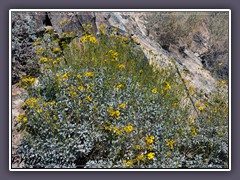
(99, 104)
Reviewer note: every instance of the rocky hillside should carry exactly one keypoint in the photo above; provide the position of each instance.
(193, 57)
(136, 24)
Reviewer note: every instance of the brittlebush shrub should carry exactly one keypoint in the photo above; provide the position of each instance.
(99, 104)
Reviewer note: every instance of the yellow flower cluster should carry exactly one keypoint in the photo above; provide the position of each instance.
(39, 50)
(113, 55)
(193, 131)
(168, 86)
(170, 143)
(112, 113)
(22, 117)
(88, 99)
(88, 74)
(119, 86)
(25, 82)
(43, 60)
(56, 50)
(128, 129)
(128, 163)
(31, 102)
(123, 105)
(191, 89)
(101, 28)
(154, 90)
(62, 76)
(121, 66)
(73, 94)
(114, 129)
(150, 139)
(79, 76)
(89, 38)
(140, 157)
(80, 88)
(150, 155)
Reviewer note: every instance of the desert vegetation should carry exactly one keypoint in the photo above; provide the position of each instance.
(97, 103)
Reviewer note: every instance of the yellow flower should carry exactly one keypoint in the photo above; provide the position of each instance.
(56, 50)
(65, 76)
(88, 74)
(92, 39)
(200, 108)
(168, 154)
(193, 130)
(154, 90)
(191, 89)
(170, 143)
(88, 99)
(72, 33)
(73, 94)
(20, 117)
(139, 84)
(150, 155)
(39, 50)
(141, 71)
(52, 103)
(121, 66)
(191, 120)
(128, 129)
(123, 105)
(117, 114)
(140, 157)
(25, 119)
(150, 139)
(168, 86)
(80, 88)
(138, 147)
(79, 76)
(223, 82)
(39, 110)
(128, 163)
(150, 147)
(54, 62)
(119, 86)
(220, 64)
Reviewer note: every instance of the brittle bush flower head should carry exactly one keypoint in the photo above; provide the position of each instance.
(168, 86)
(193, 131)
(112, 113)
(200, 108)
(140, 157)
(154, 90)
(224, 82)
(88, 74)
(65, 76)
(128, 163)
(150, 155)
(138, 147)
(40, 50)
(121, 66)
(123, 105)
(25, 119)
(119, 86)
(56, 50)
(80, 88)
(191, 89)
(170, 143)
(128, 128)
(88, 99)
(79, 76)
(150, 139)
